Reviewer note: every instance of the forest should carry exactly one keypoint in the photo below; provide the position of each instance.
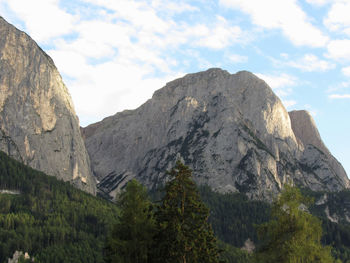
(55, 222)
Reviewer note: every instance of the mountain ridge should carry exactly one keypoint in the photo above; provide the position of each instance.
(230, 126)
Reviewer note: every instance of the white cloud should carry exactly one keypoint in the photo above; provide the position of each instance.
(318, 2)
(339, 96)
(339, 49)
(103, 89)
(174, 7)
(285, 15)
(120, 51)
(338, 18)
(346, 71)
(220, 36)
(312, 63)
(41, 16)
(339, 86)
(235, 58)
(279, 83)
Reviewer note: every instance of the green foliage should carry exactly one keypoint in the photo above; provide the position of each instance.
(292, 234)
(132, 237)
(233, 216)
(54, 222)
(335, 234)
(185, 235)
(50, 219)
(233, 254)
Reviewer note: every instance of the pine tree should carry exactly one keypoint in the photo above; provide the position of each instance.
(293, 235)
(132, 236)
(185, 235)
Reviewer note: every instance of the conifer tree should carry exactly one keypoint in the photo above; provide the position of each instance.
(132, 236)
(185, 235)
(293, 235)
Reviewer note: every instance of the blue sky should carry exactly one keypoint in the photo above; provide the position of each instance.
(113, 54)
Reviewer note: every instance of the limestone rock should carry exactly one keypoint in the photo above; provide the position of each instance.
(304, 128)
(232, 130)
(38, 124)
(19, 256)
(316, 155)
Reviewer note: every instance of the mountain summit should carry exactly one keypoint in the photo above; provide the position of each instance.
(38, 124)
(232, 130)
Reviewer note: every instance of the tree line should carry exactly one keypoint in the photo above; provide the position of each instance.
(55, 222)
(177, 230)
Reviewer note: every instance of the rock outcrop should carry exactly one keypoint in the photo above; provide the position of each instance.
(38, 124)
(232, 130)
(316, 155)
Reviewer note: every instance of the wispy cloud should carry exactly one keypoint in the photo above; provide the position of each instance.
(338, 18)
(220, 36)
(280, 83)
(284, 15)
(346, 71)
(339, 49)
(122, 49)
(318, 2)
(339, 96)
(311, 63)
(235, 58)
(42, 25)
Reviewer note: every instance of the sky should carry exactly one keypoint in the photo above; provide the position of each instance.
(113, 54)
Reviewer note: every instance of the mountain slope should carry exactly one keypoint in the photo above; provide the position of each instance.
(232, 130)
(50, 219)
(38, 124)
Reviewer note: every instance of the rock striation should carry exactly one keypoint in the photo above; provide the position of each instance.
(38, 124)
(231, 129)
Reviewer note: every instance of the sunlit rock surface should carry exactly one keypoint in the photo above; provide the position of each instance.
(38, 124)
(231, 129)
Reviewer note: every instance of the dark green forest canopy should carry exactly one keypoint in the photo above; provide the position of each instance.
(55, 222)
(50, 219)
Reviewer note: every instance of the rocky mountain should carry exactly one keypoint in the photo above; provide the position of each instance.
(232, 130)
(38, 124)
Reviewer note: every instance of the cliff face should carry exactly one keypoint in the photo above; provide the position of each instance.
(232, 130)
(316, 155)
(38, 124)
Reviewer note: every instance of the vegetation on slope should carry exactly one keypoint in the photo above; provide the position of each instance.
(50, 219)
(174, 231)
(55, 222)
(293, 234)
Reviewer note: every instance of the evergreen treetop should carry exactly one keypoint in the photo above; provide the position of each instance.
(185, 234)
(292, 235)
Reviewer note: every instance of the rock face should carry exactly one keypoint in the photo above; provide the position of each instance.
(38, 124)
(316, 155)
(232, 130)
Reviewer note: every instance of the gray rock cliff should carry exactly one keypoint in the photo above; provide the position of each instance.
(38, 124)
(316, 155)
(232, 130)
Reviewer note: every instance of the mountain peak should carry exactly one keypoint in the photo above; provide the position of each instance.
(38, 124)
(231, 129)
